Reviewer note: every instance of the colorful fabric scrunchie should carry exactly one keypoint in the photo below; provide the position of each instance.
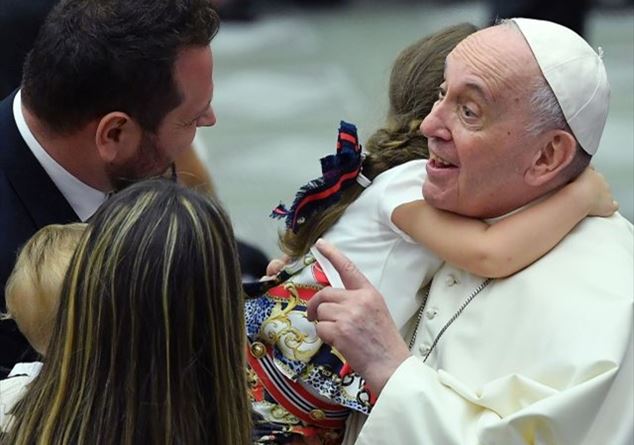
(339, 171)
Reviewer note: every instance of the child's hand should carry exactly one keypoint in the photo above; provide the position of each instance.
(275, 266)
(597, 190)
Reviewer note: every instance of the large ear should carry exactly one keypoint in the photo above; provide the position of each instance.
(557, 151)
(117, 137)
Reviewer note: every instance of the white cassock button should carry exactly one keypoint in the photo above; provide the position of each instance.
(423, 349)
(431, 313)
(451, 280)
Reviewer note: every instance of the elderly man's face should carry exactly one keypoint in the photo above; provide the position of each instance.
(478, 144)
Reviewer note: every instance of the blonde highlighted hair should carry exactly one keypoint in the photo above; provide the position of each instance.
(33, 288)
(149, 343)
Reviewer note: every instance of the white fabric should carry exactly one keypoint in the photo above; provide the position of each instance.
(542, 357)
(26, 368)
(363, 181)
(393, 262)
(12, 389)
(84, 199)
(575, 73)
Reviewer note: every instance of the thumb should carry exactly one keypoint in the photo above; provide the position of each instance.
(351, 277)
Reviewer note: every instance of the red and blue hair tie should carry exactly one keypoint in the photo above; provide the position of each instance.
(339, 171)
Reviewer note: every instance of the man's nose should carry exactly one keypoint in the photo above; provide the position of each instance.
(208, 119)
(433, 126)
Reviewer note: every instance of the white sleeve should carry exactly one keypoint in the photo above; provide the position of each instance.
(421, 406)
(400, 185)
(11, 391)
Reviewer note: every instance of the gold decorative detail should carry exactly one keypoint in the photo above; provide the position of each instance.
(272, 412)
(252, 377)
(309, 259)
(317, 414)
(258, 349)
(281, 330)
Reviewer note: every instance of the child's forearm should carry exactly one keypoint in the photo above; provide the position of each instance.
(518, 240)
(500, 249)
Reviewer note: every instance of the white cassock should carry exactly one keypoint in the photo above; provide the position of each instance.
(542, 357)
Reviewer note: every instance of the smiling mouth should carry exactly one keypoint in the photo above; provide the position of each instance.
(438, 162)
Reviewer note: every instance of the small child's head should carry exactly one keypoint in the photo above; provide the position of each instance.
(33, 288)
(416, 75)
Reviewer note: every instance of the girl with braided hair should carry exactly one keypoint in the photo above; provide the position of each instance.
(370, 205)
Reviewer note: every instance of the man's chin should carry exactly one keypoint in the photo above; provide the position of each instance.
(123, 179)
(433, 194)
(120, 183)
(440, 199)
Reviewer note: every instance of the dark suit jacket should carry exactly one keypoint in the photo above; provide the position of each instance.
(29, 200)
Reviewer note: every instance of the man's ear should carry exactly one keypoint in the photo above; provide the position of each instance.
(117, 136)
(557, 151)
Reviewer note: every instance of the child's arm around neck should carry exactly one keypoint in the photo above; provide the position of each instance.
(511, 244)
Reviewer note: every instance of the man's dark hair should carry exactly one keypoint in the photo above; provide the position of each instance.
(94, 57)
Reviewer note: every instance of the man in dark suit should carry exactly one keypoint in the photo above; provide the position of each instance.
(112, 92)
(28, 200)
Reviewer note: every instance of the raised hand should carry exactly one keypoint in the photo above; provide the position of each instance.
(357, 323)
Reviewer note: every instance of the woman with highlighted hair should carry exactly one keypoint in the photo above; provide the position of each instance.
(148, 345)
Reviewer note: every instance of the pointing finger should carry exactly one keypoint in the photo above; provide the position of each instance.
(351, 277)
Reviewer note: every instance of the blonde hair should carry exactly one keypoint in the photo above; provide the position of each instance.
(33, 288)
(149, 343)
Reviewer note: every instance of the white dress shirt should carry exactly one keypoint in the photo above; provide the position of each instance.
(84, 199)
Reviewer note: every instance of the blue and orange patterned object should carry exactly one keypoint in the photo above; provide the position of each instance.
(299, 386)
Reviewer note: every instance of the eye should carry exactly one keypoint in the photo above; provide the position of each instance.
(468, 113)
(441, 93)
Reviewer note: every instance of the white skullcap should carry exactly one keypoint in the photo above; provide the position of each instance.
(575, 73)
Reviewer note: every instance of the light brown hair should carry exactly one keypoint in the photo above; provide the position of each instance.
(416, 75)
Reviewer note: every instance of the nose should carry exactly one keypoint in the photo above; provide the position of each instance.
(208, 119)
(433, 126)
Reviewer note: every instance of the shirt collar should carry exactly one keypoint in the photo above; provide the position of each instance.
(84, 199)
(519, 209)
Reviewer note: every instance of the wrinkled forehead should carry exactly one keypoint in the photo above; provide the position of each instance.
(499, 57)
